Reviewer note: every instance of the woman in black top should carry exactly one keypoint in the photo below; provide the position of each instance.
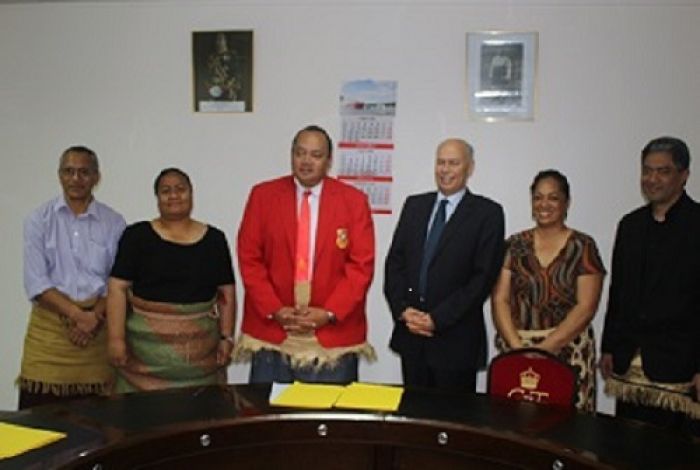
(171, 300)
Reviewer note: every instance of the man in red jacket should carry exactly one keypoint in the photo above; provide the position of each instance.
(306, 257)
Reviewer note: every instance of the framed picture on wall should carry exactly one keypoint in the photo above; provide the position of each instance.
(222, 64)
(501, 73)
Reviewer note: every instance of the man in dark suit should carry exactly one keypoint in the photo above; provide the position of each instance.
(651, 340)
(444, 257)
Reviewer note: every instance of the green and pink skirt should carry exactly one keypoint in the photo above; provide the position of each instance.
(170, 345)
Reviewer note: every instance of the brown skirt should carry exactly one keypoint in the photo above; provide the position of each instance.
(51, 364)
(170, 345)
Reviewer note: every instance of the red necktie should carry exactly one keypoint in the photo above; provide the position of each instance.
(301, 273)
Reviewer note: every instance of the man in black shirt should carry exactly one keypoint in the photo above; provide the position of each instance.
(651, 340)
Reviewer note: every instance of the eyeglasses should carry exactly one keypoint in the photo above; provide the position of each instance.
(70, 172)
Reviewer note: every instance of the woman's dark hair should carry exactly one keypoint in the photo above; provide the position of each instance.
(675, 147)
(556, 176)
(167, 171)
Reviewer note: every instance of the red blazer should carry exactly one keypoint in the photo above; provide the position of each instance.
(343, 260)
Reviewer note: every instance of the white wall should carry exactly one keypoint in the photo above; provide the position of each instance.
(117, 77)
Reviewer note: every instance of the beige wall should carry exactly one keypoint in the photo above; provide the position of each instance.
(116, 76)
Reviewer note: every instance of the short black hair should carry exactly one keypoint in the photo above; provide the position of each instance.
(167, 171)
(557, 176)
(94, 163)
(672, 145)
(320, 130)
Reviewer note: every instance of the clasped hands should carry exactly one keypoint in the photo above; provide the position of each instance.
(83, 326)
(301, 319)
(418, 322)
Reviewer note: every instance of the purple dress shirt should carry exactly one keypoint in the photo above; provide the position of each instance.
(73, 254)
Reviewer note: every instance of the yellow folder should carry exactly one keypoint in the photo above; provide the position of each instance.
(363, 396)
(15, 439)
(303, 395)
(358, 396)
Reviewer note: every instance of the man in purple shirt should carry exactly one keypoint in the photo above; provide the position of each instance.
(69, 247)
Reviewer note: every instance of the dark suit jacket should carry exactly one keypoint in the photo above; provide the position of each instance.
(661, 316)
(465, 266)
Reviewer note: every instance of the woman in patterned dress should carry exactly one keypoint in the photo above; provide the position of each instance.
(549, 288)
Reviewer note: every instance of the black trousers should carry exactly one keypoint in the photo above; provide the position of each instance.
(30, 399)
(417, 373)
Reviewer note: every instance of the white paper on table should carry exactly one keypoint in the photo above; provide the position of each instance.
(277, 389)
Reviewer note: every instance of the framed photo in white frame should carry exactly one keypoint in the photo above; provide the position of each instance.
(501, 74)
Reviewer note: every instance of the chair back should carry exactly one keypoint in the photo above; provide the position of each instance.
(533, 375)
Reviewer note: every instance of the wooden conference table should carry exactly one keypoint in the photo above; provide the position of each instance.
(234, 427)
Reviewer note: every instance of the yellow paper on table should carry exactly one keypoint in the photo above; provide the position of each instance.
(303, 395)
(15, 439)
(362, 396)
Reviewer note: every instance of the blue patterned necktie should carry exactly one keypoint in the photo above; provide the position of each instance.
(431, 243)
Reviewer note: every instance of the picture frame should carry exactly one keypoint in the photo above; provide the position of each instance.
(222, 69)
(501, 75)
